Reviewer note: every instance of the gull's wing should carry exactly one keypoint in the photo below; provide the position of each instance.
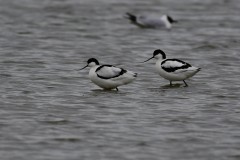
(151, 21)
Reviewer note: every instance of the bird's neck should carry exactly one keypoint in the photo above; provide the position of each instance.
(166, 22)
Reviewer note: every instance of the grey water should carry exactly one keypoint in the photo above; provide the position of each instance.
(50, 110)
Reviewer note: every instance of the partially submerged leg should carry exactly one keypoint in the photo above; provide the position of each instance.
(116, 88)
(170, 83)
(185, 83)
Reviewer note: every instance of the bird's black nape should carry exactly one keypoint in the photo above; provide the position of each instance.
(170, 19)
(93, 60)
(159, 51)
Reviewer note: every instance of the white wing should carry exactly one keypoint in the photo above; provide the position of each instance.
(108, 71)
(151, 21)
(174, 65)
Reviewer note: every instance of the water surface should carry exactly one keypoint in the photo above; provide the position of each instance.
(49, 110)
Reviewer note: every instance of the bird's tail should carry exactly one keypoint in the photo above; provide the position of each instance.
(131, 17)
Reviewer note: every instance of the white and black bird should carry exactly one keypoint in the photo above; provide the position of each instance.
(173, 69)
(107, 76)
(164, 21)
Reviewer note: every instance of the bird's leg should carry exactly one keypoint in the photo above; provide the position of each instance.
(116, 88)
(170, 83)
(185, 83)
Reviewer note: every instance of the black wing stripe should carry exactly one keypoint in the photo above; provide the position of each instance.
(173, 69)
(120, 73)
